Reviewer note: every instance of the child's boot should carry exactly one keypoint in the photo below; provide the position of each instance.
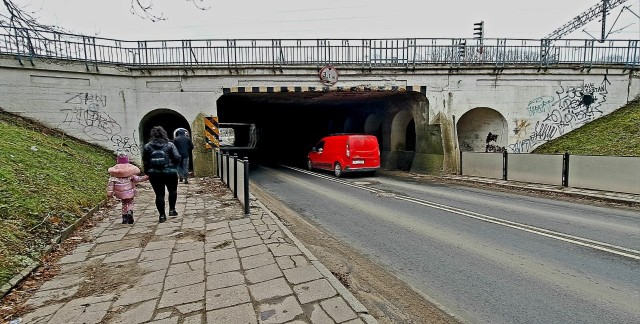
(130, 217)
(125, 218)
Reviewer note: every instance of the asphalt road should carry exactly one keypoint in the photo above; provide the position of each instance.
(484, 256)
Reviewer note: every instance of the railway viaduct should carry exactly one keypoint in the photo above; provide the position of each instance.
(424, 100)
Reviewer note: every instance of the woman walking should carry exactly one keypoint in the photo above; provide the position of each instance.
(160, 158)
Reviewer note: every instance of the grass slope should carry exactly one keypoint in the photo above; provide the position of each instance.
(47, 182)
(617, 133)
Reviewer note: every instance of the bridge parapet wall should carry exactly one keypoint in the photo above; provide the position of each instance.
(106, 104)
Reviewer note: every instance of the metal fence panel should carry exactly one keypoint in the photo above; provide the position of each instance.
(612, 173)
(536, 168)
(488, 165)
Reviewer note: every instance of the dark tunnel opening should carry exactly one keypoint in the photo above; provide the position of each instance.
(288, 125)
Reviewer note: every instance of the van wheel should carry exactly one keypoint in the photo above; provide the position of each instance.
(309, 165)
(337, 170)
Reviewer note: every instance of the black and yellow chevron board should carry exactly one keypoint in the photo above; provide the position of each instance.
(211, 132)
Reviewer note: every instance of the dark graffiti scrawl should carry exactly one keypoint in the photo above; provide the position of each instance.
(126, 144)
(573, 107)
(86, 116)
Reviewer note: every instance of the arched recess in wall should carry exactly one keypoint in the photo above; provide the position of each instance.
(399, 134)
(474, 127)
(373, 126)
(169, 119)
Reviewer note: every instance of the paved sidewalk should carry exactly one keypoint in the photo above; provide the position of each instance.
(209, 264)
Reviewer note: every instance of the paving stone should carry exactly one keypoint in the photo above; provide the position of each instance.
(245, 234)
(302, 274)
(160, 245)
(186, 256)
(42, 314)
(193, 319)
(190, 308)
(253, 250)
(269, 289)
(222, 266)
(226, 279)
(227, 253)
(355, 321)
(140, 313)
(110, 247)
(263, 273)
(178, 268)
(228, 296)
(182, 295)
(251, 241)
(219, 238)
(63, 281)
(242, 227)
(73, 258)
(42, 297)
(319, 316)
(239, 314)
(258, 260)
(280, 312)
(338, 309)
(280, 249)
(314, 290)
(180, 247)
(150, 255)
(138, 294)
(155, 265)
(83, 310)
(152, 278)
(184, 279)
(126, 255)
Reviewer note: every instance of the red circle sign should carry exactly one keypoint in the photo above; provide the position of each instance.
(329, 75)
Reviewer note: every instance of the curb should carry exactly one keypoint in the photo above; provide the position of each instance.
(362, 311)
(64, 234)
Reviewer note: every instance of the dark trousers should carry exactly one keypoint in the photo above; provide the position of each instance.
(159, 182)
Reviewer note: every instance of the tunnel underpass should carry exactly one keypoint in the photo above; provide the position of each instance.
(289, 124)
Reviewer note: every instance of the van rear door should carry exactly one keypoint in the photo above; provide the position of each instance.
(364, 151)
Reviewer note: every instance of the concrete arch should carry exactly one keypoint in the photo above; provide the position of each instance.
(474, 127)
(169, 119)
(401, 157)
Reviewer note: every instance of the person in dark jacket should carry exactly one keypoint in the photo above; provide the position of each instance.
(162, 175)
(184, 145)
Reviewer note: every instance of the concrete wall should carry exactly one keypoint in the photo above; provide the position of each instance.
(528, 106)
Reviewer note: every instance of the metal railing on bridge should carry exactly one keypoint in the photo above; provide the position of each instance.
(367, 53)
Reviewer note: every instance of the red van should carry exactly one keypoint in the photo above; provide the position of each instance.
(345, 153)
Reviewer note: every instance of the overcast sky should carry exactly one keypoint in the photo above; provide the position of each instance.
(266, 19)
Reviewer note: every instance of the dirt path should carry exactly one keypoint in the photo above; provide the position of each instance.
(388, 299)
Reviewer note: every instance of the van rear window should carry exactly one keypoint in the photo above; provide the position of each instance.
(361, 143)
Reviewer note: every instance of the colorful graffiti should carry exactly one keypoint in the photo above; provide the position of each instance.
(572, 107)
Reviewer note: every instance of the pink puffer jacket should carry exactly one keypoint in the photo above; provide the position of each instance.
(122, 183)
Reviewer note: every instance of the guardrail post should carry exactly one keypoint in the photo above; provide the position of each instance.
(227, 157)
(235, 175)
(505, 162)
(246, 186)
(565, 169)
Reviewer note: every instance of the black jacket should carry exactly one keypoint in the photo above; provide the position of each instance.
(168, 148)
(184, 145)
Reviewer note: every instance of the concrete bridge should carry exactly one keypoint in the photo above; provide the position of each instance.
(425, 99)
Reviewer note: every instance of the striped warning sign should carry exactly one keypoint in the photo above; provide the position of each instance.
(211, 132)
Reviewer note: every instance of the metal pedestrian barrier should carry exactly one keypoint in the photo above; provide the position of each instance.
(234, 172)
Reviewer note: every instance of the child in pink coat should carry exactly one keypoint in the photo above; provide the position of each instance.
(122, 185)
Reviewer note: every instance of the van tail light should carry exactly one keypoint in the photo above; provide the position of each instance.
(348, 153)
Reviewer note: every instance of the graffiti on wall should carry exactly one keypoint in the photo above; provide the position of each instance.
(85, 113)
(570, 108)
(126, 144)
(491, 144)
